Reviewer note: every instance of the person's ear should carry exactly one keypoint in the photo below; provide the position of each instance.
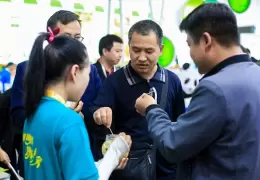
(105, 51)
(74, 72)
(161, 49)
(206, 40)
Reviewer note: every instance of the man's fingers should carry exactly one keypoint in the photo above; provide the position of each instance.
(108, 118)
(97, 117)
(122, 134)
(6, 160)
(122, 163)
(78, 108)
(103, 117)
(144, 94)
(128, 140)
(73, 105)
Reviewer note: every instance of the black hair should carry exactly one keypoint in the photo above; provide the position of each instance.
(62, 16)
(145, 27)
(215, 18)
(9, 64)
(50, 64)
(107, 42)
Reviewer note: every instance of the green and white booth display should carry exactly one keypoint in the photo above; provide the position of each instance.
(94, 16)
(239, 6)
(190, 5)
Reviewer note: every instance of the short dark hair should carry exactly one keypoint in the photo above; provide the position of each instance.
(107, 41)
(145, 27)
(215, 18)
(48, 65)
(62, 16)
(9, 64)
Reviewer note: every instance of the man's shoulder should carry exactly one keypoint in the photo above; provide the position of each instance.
(23, 63)
(235, 79)
(172, 77)
(210, 86)
(171, 73)
(93, 70)
(20, 69)
(118, 73)
(116, 79)
(93, 66)
(21, 66)
(96, 65)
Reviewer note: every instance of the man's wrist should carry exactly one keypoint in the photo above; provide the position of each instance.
(150, 107)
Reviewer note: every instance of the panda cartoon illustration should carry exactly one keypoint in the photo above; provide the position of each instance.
(189, 79)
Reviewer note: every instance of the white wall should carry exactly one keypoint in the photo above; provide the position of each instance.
(172, 20)
(16, 43)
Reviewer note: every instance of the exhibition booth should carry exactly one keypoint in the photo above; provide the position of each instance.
(22, 20)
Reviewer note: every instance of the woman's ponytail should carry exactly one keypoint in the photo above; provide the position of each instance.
(34, 80)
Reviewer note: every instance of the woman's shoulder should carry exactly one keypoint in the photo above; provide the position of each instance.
(63, 114)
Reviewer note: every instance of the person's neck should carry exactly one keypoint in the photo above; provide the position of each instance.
(59, 89)
(223, 54)
(150, 74)
(108, 67)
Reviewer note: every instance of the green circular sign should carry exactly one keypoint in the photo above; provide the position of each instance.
(168, 53)
(190, 5)
(239, 6)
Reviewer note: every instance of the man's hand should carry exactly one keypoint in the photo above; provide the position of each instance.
(127, 139)
(77, 107)
(123, 161)
(103, 116)
(143, 102)
(4, 157)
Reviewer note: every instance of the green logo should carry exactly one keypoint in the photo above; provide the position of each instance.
(239, 6)
(168, 53)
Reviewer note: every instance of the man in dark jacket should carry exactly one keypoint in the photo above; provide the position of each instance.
(218, 137)
(8, 142)
(6, 130)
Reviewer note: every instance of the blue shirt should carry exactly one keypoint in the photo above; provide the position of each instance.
(17, 105)
(56, 144)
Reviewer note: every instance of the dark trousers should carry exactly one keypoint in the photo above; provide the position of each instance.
(16, 148)
(20, 161)
(141, 164)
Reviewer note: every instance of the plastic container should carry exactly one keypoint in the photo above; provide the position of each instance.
(106, 144)
(4, 176)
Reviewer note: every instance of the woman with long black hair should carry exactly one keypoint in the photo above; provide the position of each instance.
(55, 140)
